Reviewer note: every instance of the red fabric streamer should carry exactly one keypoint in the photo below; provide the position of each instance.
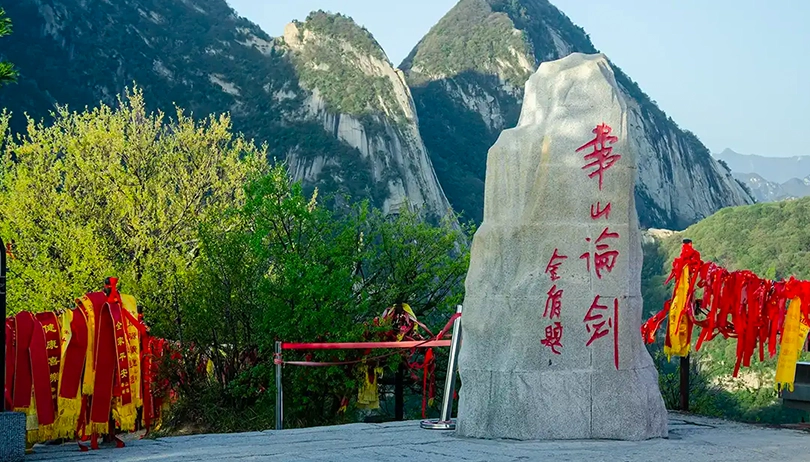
(11, 356)
(23, 381)
(75, 354)
(735, 304)
(40, 372)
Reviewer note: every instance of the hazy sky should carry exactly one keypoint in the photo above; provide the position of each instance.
(734, 72)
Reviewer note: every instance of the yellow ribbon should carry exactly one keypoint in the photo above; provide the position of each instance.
(68, 408)
(793, 337)
(89, 360)
(678, 324)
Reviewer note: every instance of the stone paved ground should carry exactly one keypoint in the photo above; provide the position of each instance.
(692, 439)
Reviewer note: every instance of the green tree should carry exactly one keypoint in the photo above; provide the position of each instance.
(7, 72)
(115, 192)
(293, 270)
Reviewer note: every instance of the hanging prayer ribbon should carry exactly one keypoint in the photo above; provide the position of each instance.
(756, 313)
(23, 382)
(40, 372)
(793, 338)
(73, 362)
(71, 372)
(11, 357)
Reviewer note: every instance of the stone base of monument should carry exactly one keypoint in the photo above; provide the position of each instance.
(563, 405)
(12, 436)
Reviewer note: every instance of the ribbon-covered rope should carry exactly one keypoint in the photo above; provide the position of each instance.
(427, 365)
(757, 312)
(435, 341)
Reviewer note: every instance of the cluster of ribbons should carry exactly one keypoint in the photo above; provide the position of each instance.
(401, 325)
(406, 327)
(85, 371)
(760, 314)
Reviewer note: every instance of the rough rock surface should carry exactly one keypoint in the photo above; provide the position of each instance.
(692, 438)
(12, 436)
(582, 372)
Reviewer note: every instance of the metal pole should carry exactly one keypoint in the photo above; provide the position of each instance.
(279, 393)
(3, 327)
(684, 369)
(445, 422)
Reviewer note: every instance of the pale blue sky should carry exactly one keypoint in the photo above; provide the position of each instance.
(734, 72)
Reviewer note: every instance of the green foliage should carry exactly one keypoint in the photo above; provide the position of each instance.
(114, 191)
(288, 268)
(756, 237)
(345, 29)
(471, 37)
(7, 72)
(654, 272)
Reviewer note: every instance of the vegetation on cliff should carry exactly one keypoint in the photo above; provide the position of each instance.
(210, 61)
(335, 57)
(7, 72)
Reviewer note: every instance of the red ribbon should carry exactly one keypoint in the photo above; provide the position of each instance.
(53, 349)
(105, 361)
(736, 305)
(23, 381)
(11, 356)
(40, 371)
(75, 355)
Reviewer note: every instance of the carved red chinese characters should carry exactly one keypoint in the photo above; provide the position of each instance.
(554, 265)
(602, 157)
(553, 338)
(604, 259)
(553, 303)
(597, 211)
(554, 332)
(599, 323)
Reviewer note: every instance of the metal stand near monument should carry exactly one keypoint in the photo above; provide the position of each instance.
(445, 422)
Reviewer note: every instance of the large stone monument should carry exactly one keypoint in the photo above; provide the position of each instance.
(552, 346)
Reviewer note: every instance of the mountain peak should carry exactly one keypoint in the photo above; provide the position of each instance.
(339, 27)
(509, 38)
(344, 64)
(467, 77)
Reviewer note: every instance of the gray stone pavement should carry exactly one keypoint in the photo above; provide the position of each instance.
(691, 438)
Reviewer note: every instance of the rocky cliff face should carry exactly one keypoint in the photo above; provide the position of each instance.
(466, 76)
(324, 97)
(355, 94)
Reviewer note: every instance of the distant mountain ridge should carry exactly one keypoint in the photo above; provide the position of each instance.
(771, 191)
(770, 179)
(776, 169)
